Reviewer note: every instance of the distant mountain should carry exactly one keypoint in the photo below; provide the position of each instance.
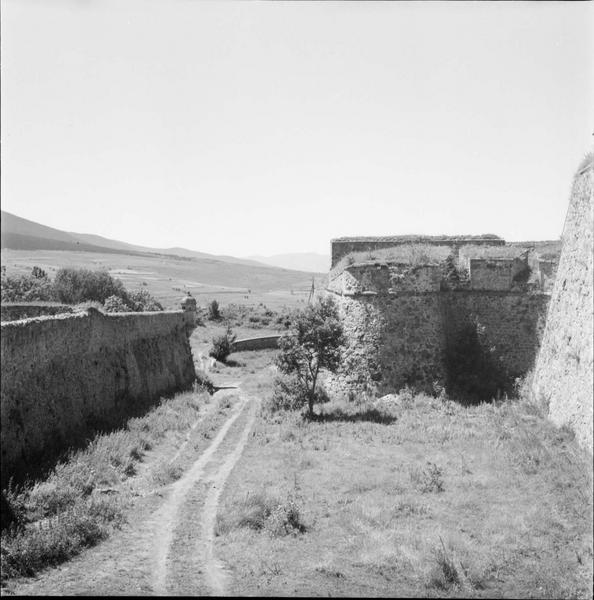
(23, 234)
(300, 261)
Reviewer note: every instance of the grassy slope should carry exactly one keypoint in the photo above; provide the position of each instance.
(514, 517)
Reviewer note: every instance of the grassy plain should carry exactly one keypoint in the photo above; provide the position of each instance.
(409, 496)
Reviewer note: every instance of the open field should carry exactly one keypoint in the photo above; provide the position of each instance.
(168, 278)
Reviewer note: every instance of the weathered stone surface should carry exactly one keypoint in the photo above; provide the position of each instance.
(395, 340)
(63, 375)
(563, 375)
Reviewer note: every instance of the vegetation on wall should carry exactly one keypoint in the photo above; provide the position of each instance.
(74, 286)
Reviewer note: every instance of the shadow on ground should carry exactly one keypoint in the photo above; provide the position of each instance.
(371, 415)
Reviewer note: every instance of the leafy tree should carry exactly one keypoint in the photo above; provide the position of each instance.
(312, 343)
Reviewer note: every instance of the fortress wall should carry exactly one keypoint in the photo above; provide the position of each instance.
(343, 246)
(490, 274)
(513, 322)
(563, 375)
(391, 340)
(12, 311)
(391, 278)
(65, 376)
(399, 339)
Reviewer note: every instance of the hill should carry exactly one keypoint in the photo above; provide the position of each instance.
(165, 273)
(23, 234)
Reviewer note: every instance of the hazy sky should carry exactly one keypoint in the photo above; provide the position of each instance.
(260, 127)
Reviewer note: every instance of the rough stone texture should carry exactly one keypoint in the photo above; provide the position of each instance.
(390, 278)
(400, 339)
(67, 375)
(563, 374)
(345, 245)
(490, 274)
(12, 311)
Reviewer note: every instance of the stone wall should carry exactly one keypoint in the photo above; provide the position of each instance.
(255, 343)
(563, 375)
(398, 339)
(490, 274)
(68, 375)
(345, 245)
(12, 311)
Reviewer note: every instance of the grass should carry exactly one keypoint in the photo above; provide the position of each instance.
(430, 499)
(411, 254)
(87, 495)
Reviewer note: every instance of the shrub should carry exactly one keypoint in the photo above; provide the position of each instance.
(114, 304)
(221, 345)
(263, 512)
(289, 394)
(214, 313)
(78, 285)
(445, 575)
(143, 301)
(27, 288)
(429, 479)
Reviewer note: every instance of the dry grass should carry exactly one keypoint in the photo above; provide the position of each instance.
(84, 497)
(410, 254)
(433, 499)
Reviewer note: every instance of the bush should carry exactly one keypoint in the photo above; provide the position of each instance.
(142, 301)
(78, 285)
(263, 512)
(221, 345)
(214, 314)
(289, 394)
(114, 304)
(27, 288)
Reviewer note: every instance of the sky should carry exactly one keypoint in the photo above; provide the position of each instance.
(249, 128)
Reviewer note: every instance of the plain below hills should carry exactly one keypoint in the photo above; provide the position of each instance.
(166, 273)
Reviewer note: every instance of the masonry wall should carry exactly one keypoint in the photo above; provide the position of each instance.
(255, 343)
(400, 339)
(343, 246)
(12, 311)
(563, 376)
(67, 375)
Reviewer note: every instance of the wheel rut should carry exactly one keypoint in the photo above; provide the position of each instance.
(183, 554)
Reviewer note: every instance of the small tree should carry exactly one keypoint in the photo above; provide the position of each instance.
(221, 345)
(313, 343)
(214, 313)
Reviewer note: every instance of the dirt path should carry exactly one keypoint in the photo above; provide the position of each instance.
(170, 517)
(216, 576)
(167, 545)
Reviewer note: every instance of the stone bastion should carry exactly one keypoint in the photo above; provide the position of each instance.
(405, 307)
